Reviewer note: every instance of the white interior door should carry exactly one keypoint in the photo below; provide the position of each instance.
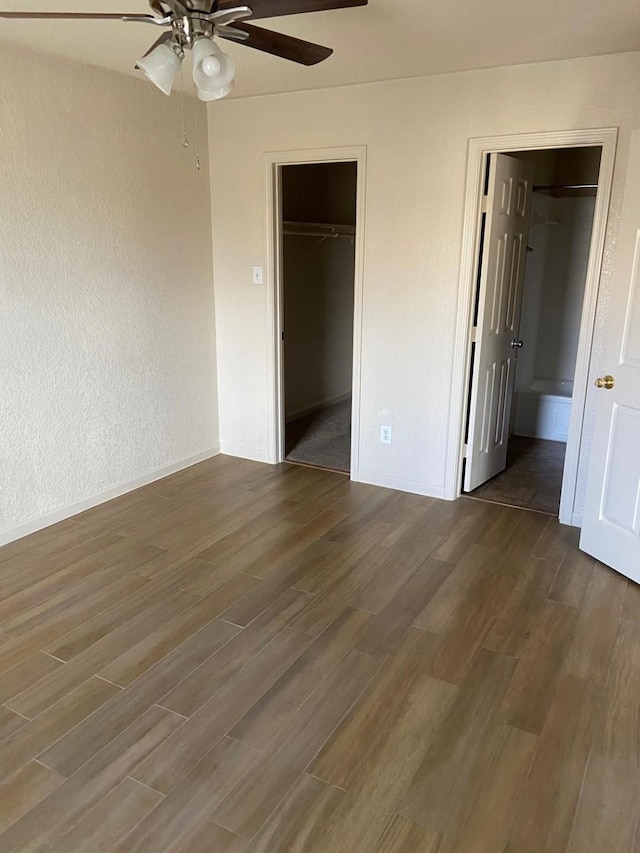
(611, 521)
(508, 217)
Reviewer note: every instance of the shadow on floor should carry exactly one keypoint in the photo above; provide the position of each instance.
(532, 478)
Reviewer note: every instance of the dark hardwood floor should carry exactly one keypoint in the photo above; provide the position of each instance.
(251, 658)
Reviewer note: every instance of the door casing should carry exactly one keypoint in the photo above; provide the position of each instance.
(479, 149)
(273, 163)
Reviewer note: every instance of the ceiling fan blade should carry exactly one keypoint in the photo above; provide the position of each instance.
(88, 16)
(231, 33)
(274, 8)
(278, 44)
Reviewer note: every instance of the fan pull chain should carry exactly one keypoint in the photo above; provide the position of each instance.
(185, 140)
(195, 92)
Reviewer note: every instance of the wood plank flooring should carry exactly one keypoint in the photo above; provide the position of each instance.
(250, 659)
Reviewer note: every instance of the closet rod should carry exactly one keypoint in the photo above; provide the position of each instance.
(317, 229)
(542, 187)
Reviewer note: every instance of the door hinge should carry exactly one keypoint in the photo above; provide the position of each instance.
(465, 450)
(485, 203)
(474, 333)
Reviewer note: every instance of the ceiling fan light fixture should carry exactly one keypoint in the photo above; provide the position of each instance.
(162, 66)
(213, 70)
(193, 24)
(215, 94)
(211, 66)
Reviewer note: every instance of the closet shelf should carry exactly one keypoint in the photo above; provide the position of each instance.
(318, 229)
(567, 190)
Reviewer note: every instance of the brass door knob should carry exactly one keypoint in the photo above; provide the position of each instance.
(606, 382)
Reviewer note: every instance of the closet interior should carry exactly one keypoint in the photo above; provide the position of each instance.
(318, 269)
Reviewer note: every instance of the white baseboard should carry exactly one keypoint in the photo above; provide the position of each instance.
(316, 407)
(70, 510)
(400, 484)
(244, 452)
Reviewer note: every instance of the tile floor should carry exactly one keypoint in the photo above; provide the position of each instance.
(532, 478)
(248, 658)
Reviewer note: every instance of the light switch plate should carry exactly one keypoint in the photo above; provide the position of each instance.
(257, 275)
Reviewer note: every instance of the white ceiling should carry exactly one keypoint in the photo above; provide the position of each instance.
(387, 39)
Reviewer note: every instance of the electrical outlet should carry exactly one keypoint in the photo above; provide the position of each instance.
(257, 275)
(385, 435)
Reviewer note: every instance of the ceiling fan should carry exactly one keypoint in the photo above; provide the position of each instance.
(193, 24)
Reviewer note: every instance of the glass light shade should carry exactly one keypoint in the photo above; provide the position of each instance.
(216, 94)
(161, 66)
(213, 70)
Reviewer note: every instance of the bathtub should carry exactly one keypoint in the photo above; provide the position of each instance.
(543, 409)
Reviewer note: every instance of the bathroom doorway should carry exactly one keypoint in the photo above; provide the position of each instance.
(535, 247)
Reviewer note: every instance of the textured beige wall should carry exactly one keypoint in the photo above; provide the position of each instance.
(107, 349)
(416, 133)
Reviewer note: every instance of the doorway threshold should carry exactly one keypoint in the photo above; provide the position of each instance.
(472, 497)
(317, 467)
(532, 478)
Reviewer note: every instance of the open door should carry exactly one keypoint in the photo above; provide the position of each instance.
(611, 521)
(502, 270)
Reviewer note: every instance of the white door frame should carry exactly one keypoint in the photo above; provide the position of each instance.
(479, 148)
(273, 162)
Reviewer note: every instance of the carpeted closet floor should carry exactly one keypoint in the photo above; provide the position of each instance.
(322, 438)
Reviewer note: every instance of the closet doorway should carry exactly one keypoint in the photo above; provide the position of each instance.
(317, 221)
(537, 224)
